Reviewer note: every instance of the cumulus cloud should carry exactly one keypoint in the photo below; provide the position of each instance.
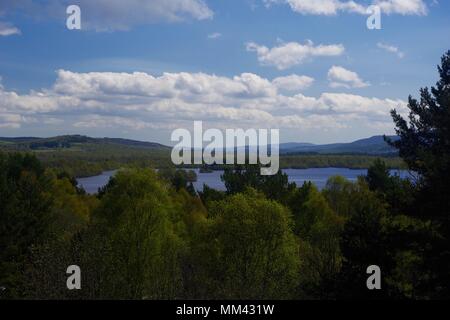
(320, 7)
(341, 77)
(140, 101)
(7, 29)
(122, 15)
(333, 7)
(111, 15)
(106, 121)
(293, 82)
(403, 7)
(10, 120)
(287, 55)
(391, 49)
(359, 105)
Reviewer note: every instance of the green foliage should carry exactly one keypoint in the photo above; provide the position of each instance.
(424, 144)
(318, 228)
(36, 211)
(425, 141)
(140, 220)
(247, 250)
(83, 156)
(209, 195)
(397, 192)
(180, 179)
(147, 237)
(351, 161)
(364, 242)
(337, 192)
(24, 214)
(378, 176)
(238, 179)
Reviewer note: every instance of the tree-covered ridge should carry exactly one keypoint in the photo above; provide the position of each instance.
(72, 141)
(83, 156)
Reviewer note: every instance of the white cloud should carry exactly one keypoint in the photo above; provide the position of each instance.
(287, 55)
(10, 120)
(320, 7)
(341, 77)
(111, 15)
(359, 105)
(122, 15)
(7, 29)
(101, 121)
(140, 101)
(214, 35)
(403, 7)
(333, 7)
(391, 49)
(293, 82)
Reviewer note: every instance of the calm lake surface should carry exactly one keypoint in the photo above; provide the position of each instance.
(318, 176)
(91, 184)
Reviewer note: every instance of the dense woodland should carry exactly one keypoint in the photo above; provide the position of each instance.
(149, 235)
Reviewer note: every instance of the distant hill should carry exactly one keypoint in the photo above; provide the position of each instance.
(371, 146)
(83, 156)
(73, 141)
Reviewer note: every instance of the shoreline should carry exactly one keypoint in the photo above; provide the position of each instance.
(222, 169)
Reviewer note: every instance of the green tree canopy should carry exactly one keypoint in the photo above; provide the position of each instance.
(252, 251)
(424, 144)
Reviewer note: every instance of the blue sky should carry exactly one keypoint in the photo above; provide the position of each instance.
(139, 69)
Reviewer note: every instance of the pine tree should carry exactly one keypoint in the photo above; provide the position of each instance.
(424, 144)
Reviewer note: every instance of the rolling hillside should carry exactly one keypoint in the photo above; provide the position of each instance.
(371, 146)
(83, 156)
(73, 141)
